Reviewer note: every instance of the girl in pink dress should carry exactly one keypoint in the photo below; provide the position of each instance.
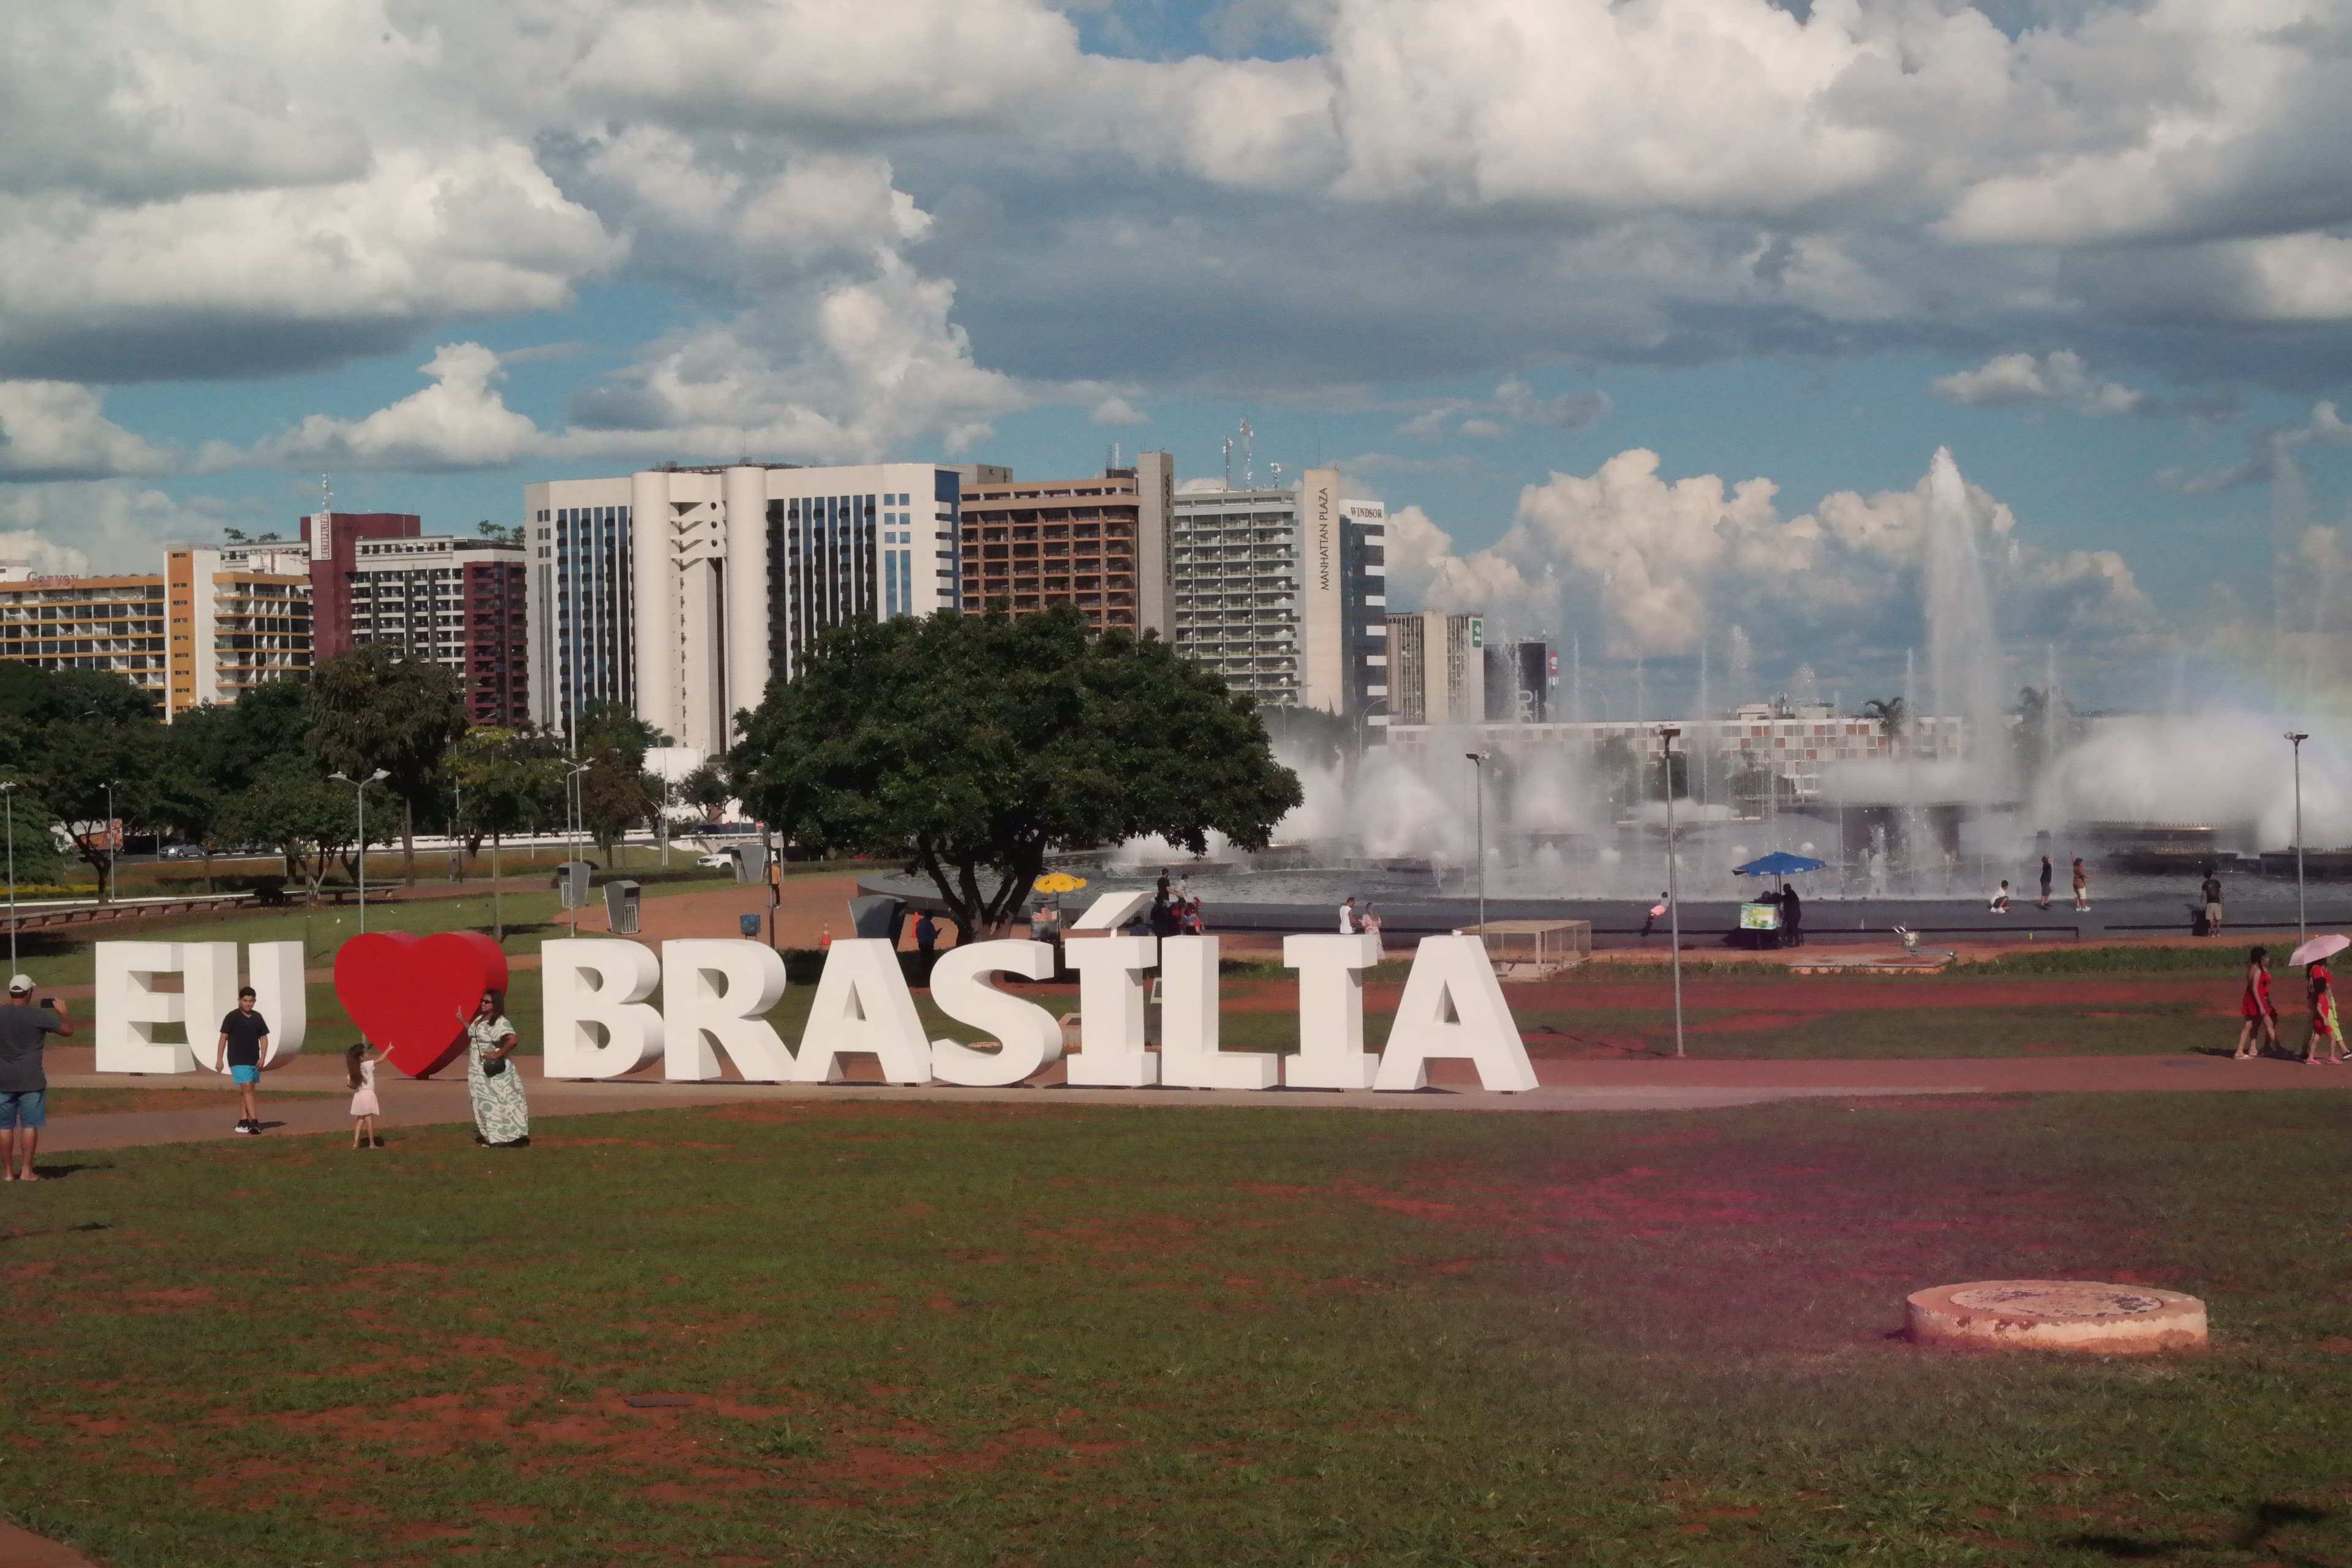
(2323, 1023)
(359, 1061)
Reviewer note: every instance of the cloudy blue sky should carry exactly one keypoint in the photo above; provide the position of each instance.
(1646, 319)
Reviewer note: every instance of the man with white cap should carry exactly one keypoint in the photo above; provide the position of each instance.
(24, 1087)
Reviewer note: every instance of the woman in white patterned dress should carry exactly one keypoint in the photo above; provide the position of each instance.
(501, 1118)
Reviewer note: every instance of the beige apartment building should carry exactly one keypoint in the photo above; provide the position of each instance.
(212, 624)
(1098, 545)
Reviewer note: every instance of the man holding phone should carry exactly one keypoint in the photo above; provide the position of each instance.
(244, 1042)
(24, 1087)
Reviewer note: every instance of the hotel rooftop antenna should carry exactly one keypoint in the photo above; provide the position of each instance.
(1249, 458)
(1229, 462)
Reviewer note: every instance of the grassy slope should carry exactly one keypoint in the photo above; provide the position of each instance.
(931, 1336)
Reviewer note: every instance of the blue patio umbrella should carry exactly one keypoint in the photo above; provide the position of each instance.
(1779, 863)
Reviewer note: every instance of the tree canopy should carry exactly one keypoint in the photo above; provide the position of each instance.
(371, 709)
(973, 745)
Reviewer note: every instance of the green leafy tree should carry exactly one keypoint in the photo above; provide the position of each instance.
(214, 751)
(85, 770)
(1892, 715)
(510, 781)
(371, 709)
(706, 789)
(973, 745)
(67, 735)
(28, 816)
(616, 793)
(311, 820)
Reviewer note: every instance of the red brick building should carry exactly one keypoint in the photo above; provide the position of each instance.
(454, 600)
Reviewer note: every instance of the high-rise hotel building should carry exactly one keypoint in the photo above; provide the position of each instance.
(678, 591)
(212, 624)
(1096, 545)
(1284, 593)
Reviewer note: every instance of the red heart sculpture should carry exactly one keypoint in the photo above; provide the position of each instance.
(412, 996)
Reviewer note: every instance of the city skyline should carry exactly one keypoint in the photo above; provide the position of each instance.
(1644, 323)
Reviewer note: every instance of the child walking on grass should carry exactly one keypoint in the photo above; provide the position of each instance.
(359, 1061)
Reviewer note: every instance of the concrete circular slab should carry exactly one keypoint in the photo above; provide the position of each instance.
(2058, 1314)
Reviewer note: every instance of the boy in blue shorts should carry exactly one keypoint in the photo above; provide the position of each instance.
(24, 1087)
(244, 1042)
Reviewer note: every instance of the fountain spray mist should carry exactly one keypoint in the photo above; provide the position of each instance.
(1964, 661)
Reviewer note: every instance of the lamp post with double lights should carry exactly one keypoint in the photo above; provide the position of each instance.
(2296, 738)
(1666, 734)
(358, 788)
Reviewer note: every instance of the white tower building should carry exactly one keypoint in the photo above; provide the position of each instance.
(681, 591)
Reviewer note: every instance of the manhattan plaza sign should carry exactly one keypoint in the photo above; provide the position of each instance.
(613, 1006)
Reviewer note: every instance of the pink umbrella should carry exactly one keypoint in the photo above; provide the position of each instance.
(2318, 948)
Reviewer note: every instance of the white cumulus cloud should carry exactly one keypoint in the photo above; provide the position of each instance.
(55, 431)
(1651, 567)
(458, 422)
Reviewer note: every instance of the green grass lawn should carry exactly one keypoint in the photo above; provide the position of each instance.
(924, 1334)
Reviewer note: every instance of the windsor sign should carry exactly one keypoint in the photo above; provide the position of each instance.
(601, 1019)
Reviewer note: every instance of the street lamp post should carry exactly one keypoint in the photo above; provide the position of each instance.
(1478, 785)
(2301, 927)
(113, 842)
(571, 799)
(358, 788)
(8, 807)
(1666, 734)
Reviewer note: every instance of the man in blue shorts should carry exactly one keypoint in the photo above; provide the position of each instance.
(24, 1087)
(244, 1042)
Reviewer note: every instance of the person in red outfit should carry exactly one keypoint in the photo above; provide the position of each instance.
(2260, 1033)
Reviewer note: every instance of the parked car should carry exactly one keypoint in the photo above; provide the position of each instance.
(717, 859)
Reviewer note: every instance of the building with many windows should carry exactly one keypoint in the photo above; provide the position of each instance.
(1098, 545)
(1437, 669)
(212, 624)
(332, 541)
(453, 601)
(1283, 591)
(680, 591)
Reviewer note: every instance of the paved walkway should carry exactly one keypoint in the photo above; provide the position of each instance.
(1637, 1084)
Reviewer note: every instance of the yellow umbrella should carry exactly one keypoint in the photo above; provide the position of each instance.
(1058, 882)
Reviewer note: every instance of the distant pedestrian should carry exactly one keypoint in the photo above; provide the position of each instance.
(501, 1116)
(2081, 885)
(243, 1046)
(24, 1087)
(1657, 912)
(2212, 891)
(1792, 918)
(1348, 916)
(2259, 1034)
(2325, 1025)
(359, 1063)
(927, 941)
(2045, 881)
(1999, 904)
(1372, 926)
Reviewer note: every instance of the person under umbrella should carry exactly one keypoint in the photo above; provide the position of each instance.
(2319, 988)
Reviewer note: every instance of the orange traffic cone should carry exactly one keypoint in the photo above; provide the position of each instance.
(827, 941)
